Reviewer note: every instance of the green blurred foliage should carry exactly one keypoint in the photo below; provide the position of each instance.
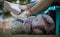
(22, 1)
(7, 14)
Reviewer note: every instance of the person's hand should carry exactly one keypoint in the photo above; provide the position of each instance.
(24, 15)
(23, 7)
(27, 13)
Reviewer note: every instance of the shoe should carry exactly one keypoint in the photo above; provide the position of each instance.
(12, 7)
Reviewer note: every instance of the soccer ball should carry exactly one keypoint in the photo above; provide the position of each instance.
(41, 23)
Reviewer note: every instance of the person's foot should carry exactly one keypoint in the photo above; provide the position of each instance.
(12, 7)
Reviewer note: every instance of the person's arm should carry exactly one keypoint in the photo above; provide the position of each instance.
(40, 6)
(29, 6)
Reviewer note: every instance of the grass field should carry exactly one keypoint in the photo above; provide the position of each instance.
(25, 35)
(33, 36)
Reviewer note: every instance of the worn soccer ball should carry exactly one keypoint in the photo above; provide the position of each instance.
(44, 23)
(41, 23)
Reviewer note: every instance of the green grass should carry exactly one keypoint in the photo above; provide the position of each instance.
(24, 35)
(34, 36)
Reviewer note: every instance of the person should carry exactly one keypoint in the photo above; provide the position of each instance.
(30, 9)
(16, 8)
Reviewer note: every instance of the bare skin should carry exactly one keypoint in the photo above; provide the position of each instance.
(23, 7)
(28, 13)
